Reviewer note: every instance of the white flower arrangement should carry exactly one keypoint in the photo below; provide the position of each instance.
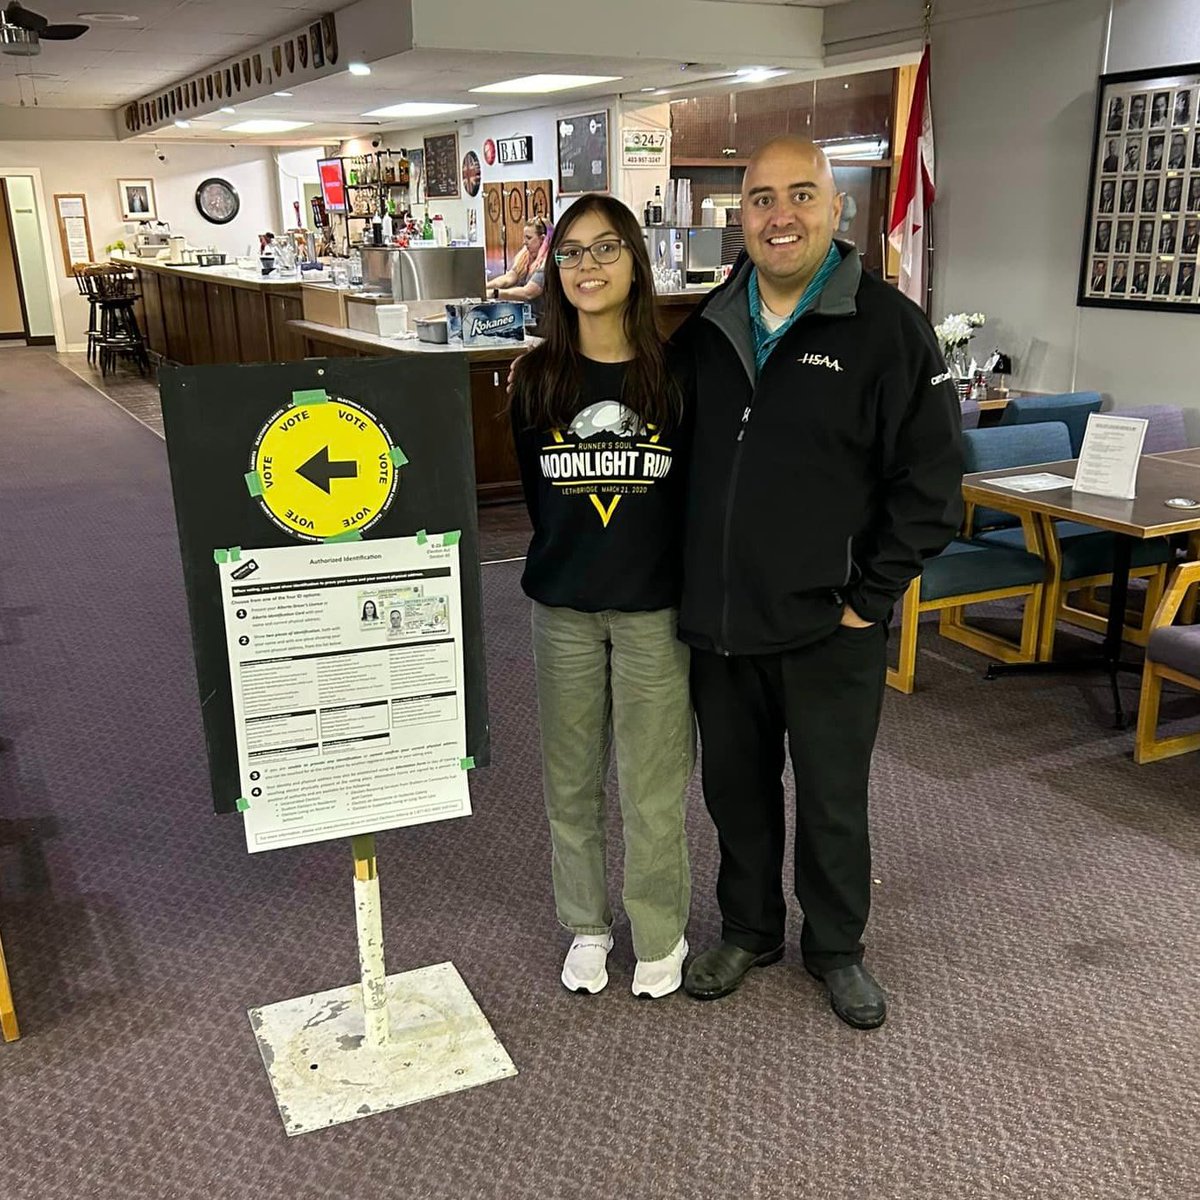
(958, 329)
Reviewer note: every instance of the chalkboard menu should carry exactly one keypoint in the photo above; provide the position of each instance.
(441, 166)
(583, 154)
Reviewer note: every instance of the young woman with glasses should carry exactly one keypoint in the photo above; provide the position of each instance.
(600, 430)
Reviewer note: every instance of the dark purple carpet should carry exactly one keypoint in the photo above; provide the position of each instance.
(1036, 923)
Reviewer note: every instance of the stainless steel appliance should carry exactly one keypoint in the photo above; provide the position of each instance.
(692, 250)
(435, 273)
(151, 237)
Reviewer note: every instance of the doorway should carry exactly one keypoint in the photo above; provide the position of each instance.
(506, 208)
(14, 320)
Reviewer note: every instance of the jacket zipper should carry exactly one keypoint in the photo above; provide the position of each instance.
(728, 538)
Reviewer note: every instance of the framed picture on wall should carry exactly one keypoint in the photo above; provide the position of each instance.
(583, 153)
(137, 199)
(1141, 242)
(441, 166)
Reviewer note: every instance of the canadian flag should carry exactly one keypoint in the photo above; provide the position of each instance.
(915, 191)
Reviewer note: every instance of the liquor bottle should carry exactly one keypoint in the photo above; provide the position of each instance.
(648, 213)
(427, 227)
(656, 207)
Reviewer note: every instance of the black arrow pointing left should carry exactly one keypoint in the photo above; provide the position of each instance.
(319, 470)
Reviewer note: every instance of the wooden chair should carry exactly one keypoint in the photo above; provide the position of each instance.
(8, 1014)
(1172, 652)
(968, 573)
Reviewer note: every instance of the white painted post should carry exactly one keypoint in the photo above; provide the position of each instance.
(368, 915)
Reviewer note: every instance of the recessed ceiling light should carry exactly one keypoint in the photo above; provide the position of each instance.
(649, 89)
(106, 18)
(358, 68)
(228, 110)
(184, 124)
(417, 108)
(266, 125)
(546, 83)
(285, 94)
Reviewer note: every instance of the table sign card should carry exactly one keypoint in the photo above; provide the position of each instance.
(1108, 461)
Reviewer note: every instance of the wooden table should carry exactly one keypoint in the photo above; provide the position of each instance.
(1160, 477)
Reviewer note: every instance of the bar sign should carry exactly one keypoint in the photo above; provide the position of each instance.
(515, 150)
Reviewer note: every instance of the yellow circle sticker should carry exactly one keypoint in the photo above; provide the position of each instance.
(324, 466)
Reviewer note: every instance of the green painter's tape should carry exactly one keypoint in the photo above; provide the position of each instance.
(467, 764)
(398, 456)
(235, 554)
(422, 537)
(254, 483)
(242, 804)
(351, 535)
(220, 556)
(311, 396)
(451, 538)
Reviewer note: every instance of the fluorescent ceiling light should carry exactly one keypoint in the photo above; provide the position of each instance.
(228, 110)
(358, 68)
(417, 108)
(184, 124)
(546, 83)
(266, 126)
(757, 74)
(281, 93)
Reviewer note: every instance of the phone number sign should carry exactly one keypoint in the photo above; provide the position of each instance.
(644, 147)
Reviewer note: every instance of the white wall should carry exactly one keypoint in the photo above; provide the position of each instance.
(93, 168)
(296, 168)
(1014, 93)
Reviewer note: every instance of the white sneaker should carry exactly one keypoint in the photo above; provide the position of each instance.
(662, 976)
(586, 966)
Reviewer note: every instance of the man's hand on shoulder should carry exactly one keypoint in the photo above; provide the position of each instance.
(853, 620)
(512, 369)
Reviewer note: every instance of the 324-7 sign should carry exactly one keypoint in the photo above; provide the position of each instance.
(644, 147)
(515, 150)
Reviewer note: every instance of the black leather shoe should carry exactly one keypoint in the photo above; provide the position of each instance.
(854, 995)
(719, 971)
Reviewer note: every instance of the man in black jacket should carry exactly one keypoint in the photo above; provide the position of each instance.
(826, 467)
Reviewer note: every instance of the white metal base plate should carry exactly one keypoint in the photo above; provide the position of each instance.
(322, 1074)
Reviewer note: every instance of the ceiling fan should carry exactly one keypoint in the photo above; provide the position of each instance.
(22, 31)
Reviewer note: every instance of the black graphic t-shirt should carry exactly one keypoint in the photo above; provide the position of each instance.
(606, 500)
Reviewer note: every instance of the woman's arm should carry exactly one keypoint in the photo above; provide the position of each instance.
(529, 291)
(501, 281)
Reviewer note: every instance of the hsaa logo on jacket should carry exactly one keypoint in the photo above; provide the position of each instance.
(820, 360)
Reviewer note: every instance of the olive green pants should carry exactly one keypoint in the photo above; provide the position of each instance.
(616, 679)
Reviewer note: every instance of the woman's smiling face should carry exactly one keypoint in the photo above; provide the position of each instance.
(593, 287)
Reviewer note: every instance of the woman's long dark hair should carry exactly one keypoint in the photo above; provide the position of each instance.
(548, 378)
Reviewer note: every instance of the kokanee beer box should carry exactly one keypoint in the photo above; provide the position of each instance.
(492, 323)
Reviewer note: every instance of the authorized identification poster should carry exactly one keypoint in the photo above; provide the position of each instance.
(346, 662)
(307, 455)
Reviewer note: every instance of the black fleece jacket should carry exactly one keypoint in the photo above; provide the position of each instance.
(828, 478)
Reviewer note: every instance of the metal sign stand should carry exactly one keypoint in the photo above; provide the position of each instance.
(380, 1044)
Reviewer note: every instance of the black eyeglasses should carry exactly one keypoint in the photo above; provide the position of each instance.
(603, 253)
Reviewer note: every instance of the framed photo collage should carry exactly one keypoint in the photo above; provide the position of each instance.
(1142, 236)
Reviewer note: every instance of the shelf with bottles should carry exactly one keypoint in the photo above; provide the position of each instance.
(380, 169)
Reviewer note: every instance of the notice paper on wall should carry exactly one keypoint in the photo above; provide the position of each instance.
(346, 662)
(1109, 457)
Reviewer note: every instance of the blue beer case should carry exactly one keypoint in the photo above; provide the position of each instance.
(489, 323)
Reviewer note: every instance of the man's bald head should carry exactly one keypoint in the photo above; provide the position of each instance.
(790, 209)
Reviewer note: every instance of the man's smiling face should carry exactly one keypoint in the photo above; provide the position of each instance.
(790, 209)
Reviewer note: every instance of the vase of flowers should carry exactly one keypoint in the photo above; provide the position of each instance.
(955, 334)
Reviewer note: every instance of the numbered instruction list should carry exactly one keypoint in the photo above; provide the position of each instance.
(347, 671)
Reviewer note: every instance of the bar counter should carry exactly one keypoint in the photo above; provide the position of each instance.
(200, 316)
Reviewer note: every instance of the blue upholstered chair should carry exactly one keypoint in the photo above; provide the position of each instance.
(1071, 408)
(1172, 652)
(1079, 556)
(1166, 429)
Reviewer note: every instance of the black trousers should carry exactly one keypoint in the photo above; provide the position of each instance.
(826, 699)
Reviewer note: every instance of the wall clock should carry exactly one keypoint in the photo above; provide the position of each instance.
(217, 201)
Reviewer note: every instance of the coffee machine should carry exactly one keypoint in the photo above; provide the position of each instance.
(151, 238)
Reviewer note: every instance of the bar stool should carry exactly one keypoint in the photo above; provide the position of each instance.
(111, 289)
(80, 271)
